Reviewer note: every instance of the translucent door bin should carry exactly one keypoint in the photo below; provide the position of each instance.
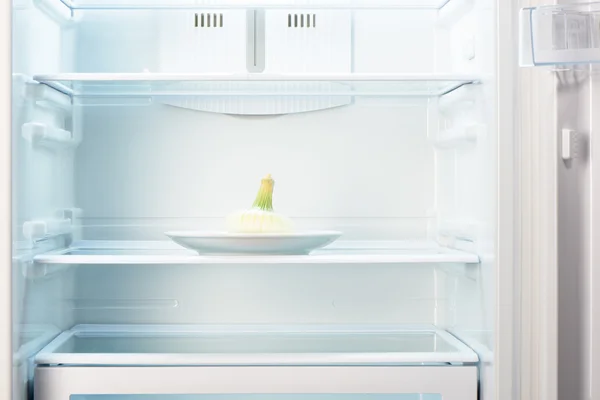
(216, 363)
(560, 34)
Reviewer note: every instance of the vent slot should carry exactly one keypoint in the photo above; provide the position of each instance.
(302, 20)
(208, 20)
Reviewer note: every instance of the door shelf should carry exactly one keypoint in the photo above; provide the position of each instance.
(148, 85)
(168, 253)
(267, 4)
(189, 345)
(560, 34)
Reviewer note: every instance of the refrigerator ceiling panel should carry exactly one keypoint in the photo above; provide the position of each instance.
(289, 4)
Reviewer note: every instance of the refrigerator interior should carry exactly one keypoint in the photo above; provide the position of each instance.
(135, 117)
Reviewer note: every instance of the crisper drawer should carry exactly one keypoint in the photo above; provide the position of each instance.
(244, 362)
(250, 383)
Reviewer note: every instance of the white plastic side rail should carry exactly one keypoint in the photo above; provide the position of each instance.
(452, 138)
(464, 99)
(49, 96)
(41, 94)
(453, 11)
(458, 229)
(58, 10)
(44, 135)
(42, 335)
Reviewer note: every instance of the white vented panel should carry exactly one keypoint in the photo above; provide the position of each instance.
(292, 46)
(208, 20)
(191, 43)
(318, 41)
(216, 41)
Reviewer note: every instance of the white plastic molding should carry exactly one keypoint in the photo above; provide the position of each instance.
(39, 229)
(55, 9)
(43, 135)
(452, 138)
(45, 95)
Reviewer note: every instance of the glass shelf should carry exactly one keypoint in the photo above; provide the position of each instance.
(168, 253)
(560, 34)
(225, 4)
(145, 85)
(188, 345)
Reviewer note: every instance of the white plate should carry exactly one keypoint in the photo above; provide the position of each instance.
(223, 243)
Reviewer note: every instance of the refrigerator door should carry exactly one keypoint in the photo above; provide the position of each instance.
(5, 204)
(559, 113)
(536, 273)
(595, 246)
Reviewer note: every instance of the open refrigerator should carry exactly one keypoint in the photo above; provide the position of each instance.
(419, 129)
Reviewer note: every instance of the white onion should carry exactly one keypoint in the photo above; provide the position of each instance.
(260, 218)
